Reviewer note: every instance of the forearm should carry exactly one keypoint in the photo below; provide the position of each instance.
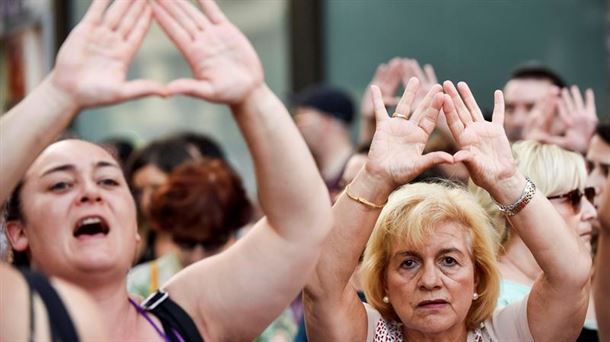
(291, 191)
(548, 237)
(28, 128)
(353, 224)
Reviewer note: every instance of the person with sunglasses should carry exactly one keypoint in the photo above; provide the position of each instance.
(561, 176)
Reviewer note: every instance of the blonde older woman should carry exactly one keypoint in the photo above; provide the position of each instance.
(429, 267)
(561, 176)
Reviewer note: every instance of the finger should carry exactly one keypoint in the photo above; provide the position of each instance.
(406, 101)
(434, 158)
(95, 13)
(380, 112)
(407, 71)
(498, 115)
(212, 11)
(423, 106)
(194, 14)
(453, 119)
(578, 101)
(464, 156)
(190, 87)
(174, 31)
(590, 103)
(115, 12)
(140, 88)
(430, 74)
(127, 24)
(470, 101)
(138, 32)
(174, 9)
(562, 110)
(428, 122)
(419, 73)
(567, 97)
(459, 105)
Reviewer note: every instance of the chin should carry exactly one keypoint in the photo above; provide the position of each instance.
(432, 325)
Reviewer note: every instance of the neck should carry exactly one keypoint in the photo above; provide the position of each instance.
(457, 333)
(518, 263)
(113, 301)
(333, 155)
(163, 244)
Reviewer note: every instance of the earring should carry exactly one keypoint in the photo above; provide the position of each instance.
(386, 300)
(475, 296)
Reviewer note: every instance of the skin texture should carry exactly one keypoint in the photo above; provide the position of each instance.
(441, 269)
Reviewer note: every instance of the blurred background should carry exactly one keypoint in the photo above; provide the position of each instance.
(339, 42)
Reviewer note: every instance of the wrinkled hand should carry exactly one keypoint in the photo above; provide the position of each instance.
(92, 63)
(484, 147)
(580, 121)
(398, 143)
(387, 78)
(225, 66)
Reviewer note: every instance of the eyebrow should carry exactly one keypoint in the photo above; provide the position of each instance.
(441, 252)
(71, 167)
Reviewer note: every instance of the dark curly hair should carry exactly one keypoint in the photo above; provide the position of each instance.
(203, 201)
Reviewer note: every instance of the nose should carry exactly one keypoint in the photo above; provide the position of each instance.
(90, 193)
(430, 278)
(587, 211)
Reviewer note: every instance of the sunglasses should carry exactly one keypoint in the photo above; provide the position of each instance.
(575, 196)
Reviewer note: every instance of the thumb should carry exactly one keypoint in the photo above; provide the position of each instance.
(462, 156)
(140, 88)
(434, 158)
(190, 87)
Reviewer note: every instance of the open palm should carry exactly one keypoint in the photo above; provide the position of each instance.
(225, 66)
(484, 147)
(398, 143)
(92, 63)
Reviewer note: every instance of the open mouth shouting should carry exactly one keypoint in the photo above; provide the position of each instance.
(91, 226)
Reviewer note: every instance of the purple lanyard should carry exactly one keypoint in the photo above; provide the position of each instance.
(145, 315)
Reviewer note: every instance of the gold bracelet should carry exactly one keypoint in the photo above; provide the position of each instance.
(362, 200)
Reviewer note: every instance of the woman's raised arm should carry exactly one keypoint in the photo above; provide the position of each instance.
(557, 304)
(91, 70)
(236, 294)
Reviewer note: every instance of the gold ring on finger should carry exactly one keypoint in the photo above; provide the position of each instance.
(398, 115)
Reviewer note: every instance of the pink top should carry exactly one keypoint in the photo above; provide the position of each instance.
(507, 324)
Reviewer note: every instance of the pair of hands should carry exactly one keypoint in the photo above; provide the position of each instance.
(397, 146)
(390, 76)
(91, 67)
(577, 119)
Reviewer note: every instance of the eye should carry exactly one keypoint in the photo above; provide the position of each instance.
(408, 264)
(448, 261)
(108, 182)
(60, 186)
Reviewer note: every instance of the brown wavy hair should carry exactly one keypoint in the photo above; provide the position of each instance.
(203, 200)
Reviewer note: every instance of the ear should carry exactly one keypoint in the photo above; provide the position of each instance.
(16, 235)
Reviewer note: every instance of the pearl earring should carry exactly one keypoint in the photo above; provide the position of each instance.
(475, 296)
(386, 300)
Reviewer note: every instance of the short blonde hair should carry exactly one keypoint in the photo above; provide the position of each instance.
(411, 216)
(555, 171)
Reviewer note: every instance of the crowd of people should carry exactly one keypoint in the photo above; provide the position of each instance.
(441, 223)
